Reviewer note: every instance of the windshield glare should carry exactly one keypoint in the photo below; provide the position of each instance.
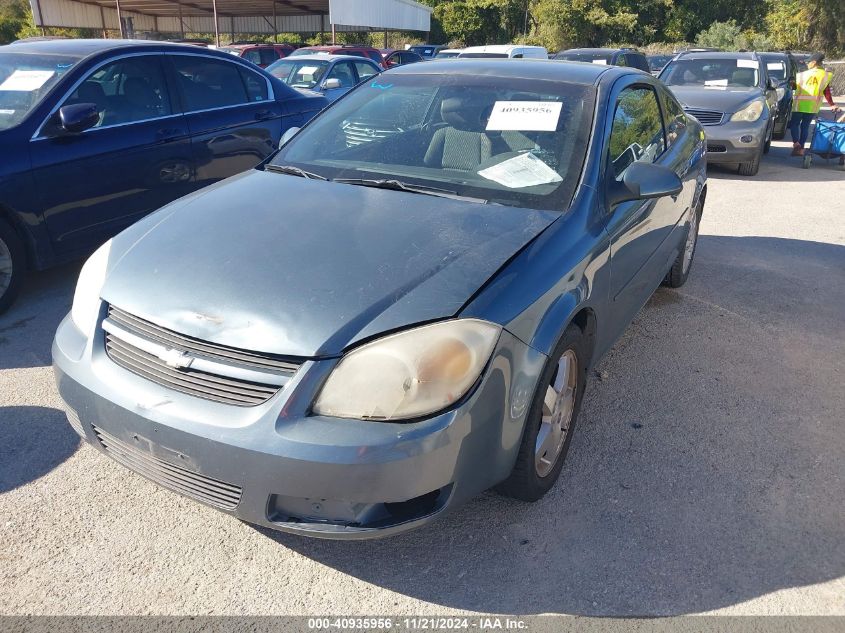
(299, 74)
(25, 79)
(712, 73)
(510, 141)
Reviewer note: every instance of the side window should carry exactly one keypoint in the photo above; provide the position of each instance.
(343, 71)
(253, 56)
(365, 70)
(637, 132)
(642, 63)
(673, 117)
(268, 56)
(621, 60)
(374, 56)
(125, 91)
(209, 83)
(256, 85)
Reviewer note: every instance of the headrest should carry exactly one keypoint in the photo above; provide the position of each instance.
(91, 92)
(466, 113)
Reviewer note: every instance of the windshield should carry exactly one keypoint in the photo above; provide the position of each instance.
(510, 141)
(656, 62)
(593, 58)
(712, 73)
(231, 51)
(25, 79)
(305, 73)
(424, 51)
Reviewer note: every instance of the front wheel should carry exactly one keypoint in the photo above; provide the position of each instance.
(551, 420)
(751, 167)
(679, 273)
(11, 265)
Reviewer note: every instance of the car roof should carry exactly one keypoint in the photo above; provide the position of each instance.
(85, 48)
(338, 47)
(327, 57)
(718, 55)
(496, 48)
(543, 69)
(593, 50)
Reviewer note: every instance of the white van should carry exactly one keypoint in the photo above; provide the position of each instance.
(511, 51)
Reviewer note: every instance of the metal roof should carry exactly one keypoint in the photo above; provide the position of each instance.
(234, 16)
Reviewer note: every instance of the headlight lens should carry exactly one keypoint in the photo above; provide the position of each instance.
(409, 374)
(86, 299)
(749, 113)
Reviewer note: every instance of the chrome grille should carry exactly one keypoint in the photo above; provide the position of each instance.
(358, 132)
(706, 117)
(211, 491)
(205, 370)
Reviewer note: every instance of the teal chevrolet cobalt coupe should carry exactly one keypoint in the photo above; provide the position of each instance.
(400, 308)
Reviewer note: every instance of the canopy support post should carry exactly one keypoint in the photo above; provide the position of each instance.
(216, 23)
(181, 21)
(334, 35)
(275, 28)
(120, 19)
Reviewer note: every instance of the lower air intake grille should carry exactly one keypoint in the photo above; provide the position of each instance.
(211, 491)
(706, 117)
(714, 148)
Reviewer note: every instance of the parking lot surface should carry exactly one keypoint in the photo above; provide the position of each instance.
(706, 474)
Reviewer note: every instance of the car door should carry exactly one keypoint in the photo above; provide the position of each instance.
(345, 74)
(365, 70)
(137, 157)
(639, 230)
(232, 117)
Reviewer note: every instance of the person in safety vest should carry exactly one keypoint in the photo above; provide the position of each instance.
(810, 87)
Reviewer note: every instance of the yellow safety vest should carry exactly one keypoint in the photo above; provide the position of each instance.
(809, 90)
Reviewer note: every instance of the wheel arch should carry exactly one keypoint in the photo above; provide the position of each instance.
(18, 226)
(568, 309)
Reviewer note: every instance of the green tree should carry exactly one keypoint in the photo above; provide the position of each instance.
(14, 16)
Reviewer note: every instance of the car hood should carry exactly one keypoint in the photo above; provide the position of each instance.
(286, 265)
(721, 99)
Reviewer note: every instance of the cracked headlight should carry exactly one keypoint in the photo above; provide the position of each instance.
(749, 113)
(86, 299)
(409, 374)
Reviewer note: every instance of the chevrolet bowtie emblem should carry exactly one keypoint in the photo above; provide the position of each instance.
(176, 359)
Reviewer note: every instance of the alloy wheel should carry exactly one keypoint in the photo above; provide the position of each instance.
(558, 407)
(692, 237)
(6, 267)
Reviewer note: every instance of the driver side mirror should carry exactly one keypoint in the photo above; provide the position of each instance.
(288, 135)
(78, 117)
(643, 181)
(331, 84)
(772, 83)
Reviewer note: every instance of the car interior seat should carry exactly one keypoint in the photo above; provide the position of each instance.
(463, 143)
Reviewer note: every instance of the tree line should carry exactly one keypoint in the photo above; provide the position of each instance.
(559, 24)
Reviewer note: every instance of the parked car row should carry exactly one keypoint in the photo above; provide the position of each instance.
(378, 323)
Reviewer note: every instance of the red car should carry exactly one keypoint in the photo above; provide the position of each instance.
(348, 49)
(259, 54)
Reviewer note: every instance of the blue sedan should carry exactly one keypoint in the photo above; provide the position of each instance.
(97, 133)
(330, 75)
(391, 323)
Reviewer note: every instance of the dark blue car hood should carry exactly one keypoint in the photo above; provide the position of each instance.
(286, 265)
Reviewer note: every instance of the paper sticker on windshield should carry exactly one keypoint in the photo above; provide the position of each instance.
(716, 83)
(525, 170)
(600, 62)
(775, 66)
(308, 70)
(747, 63)
(525, 116)
(26, 80)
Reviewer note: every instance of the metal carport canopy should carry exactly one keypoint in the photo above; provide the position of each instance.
(234, 16)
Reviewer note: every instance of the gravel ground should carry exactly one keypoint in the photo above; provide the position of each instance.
(706, 473)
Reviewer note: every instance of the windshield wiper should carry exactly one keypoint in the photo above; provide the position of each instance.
(398, 185)
(293, 171)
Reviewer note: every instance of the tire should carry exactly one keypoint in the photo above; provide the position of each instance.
(679, 273)
(12, 265)
(753, 166)
(768, 144)
(534, 474)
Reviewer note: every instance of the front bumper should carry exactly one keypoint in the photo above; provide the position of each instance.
(725, 142)
(277, 466)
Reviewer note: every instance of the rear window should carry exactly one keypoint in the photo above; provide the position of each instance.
(590, 58)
